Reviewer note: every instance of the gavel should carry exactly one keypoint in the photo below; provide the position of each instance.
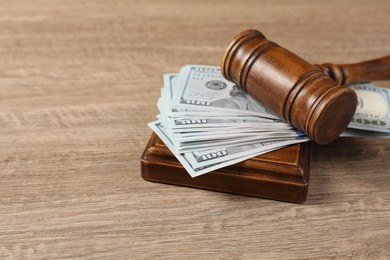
(309, 97)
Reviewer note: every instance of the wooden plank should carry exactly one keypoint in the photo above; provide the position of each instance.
(79, 81)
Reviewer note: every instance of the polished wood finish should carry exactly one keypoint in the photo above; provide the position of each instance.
(279, 175)
(344, 74)
(79, 81)
(295, 90)
(302, 94)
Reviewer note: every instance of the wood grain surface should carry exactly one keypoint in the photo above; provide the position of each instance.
(79, 81)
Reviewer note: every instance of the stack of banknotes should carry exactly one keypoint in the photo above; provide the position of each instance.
(208, 122)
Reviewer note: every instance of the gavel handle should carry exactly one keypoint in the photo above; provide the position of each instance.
(344, 74)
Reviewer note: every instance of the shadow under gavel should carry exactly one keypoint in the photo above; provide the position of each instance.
(309, 97)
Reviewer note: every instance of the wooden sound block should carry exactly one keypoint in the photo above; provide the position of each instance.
(280, 175)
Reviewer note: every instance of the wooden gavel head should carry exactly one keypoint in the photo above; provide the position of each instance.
(298, 92)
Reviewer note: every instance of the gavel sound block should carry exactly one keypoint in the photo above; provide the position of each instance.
(279, 175)
(308, 96)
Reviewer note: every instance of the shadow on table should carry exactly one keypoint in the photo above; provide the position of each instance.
(349, 167)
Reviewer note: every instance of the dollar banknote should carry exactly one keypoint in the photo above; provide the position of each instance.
(206, 146)
(198, 163)
(231, 128)
(201, 122)
(209, 123)
(167, 95)
(350, 132)
(179, 126)
(373, 109)
(226, 134)
(203, 140)
(179, 120)
(191, 117)
(204, 88)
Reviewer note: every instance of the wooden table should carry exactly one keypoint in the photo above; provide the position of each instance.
(79, 81)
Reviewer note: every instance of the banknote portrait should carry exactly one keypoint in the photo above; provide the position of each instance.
(238, 100)
(209, 123)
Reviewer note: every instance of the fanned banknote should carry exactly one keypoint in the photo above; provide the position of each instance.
(198, 163)
(204, 88)
(209, 123)
(373, 109)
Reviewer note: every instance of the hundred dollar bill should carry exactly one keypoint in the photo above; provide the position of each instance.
(200, 163)
(373, 109)
(209, 123)
(215, 133)
(165, 100)
(362, 133)
(170, 81)
(204, 88)
(168, 91)
(191, 144)
(203, 139)
(164, 103)
(222, 144)
(182, 127)
(200, 159)
(189, 118)
(222, 135)
(167, 95)
(207, 146)
(231, 129)
(183, 157)
(220, 121)
(200, 147)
